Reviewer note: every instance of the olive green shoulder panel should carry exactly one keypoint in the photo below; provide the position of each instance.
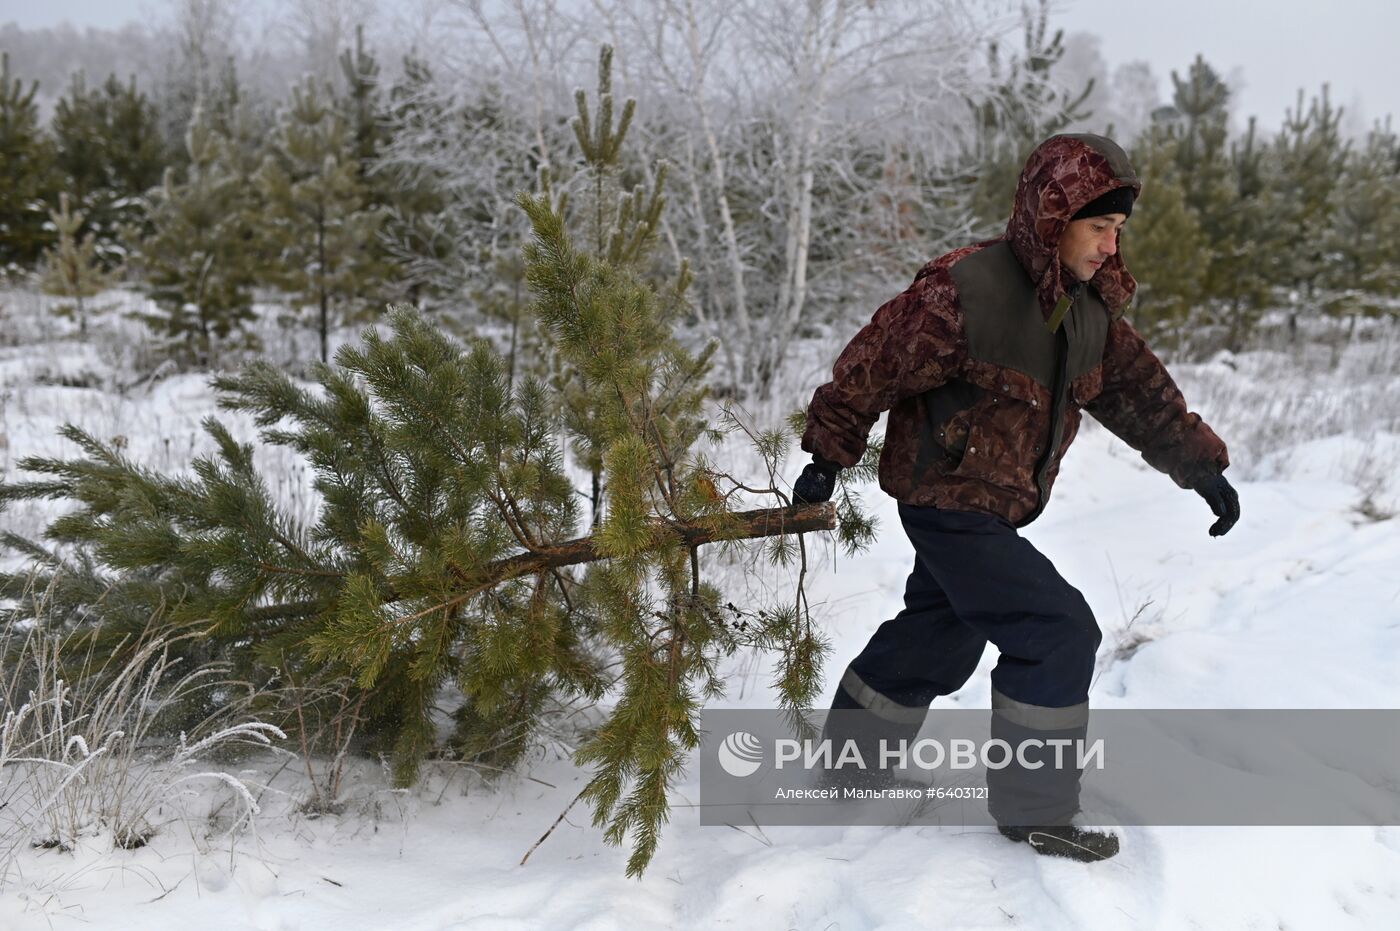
(1001, 315)
(1086, 325)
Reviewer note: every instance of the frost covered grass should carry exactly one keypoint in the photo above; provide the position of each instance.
(1325, 384)
(1325, 405)
(114, 748)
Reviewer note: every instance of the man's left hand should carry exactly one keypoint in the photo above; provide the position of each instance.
(1224, 501)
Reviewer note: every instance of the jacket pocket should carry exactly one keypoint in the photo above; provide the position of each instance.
(953, 436)
(973, 444)
(947, 412)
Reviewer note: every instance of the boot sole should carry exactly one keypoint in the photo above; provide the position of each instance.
(1052, 845)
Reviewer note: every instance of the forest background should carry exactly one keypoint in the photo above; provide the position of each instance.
(814, 160)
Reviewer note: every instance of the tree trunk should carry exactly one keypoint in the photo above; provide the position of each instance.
(721, 192)
(751, 525)
(755, 524)
(514, 331)
(325, 310)
(792, 292)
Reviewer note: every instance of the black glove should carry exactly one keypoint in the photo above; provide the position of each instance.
(1223, 501)
(816, 483)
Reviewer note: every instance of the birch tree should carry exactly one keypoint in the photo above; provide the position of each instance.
(469, 132)
(818, 147)
(789, 126)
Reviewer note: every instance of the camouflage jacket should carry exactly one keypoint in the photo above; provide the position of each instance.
(984, 397)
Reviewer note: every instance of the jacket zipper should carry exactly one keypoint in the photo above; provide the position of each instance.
(1057, 398)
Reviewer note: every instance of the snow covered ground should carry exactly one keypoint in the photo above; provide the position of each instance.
(1298, 607)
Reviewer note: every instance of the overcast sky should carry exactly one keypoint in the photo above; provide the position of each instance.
(1275, 46)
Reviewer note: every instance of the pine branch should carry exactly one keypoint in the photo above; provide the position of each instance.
(747, 525)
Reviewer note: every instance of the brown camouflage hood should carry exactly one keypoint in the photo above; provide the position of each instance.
(1062, 175)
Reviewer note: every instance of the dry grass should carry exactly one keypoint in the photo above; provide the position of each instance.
(1332, 380)
(86, 749)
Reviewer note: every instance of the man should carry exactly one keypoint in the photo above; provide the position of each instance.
(984, 364)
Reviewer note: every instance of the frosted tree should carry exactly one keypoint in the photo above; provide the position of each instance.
(1025, 103)
(420, 233)
(72, 266)
(323, 29)
(360, 76)
(800, 180)
(1164, 245)
(1365, 233)
(1310, 156)
(26, 164)
(243, 121)
(198, 260)
(108, 154)
(199, 47)
(463, 137)
(800, 172)
(319, 229)
(1134, 97)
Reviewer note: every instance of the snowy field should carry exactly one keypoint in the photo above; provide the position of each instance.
(1298, 607)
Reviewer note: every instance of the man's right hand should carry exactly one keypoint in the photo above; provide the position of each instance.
(816, 483)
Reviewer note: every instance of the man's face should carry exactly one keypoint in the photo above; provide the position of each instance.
(1087, 243)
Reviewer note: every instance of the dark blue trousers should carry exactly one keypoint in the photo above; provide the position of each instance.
(976, 580)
